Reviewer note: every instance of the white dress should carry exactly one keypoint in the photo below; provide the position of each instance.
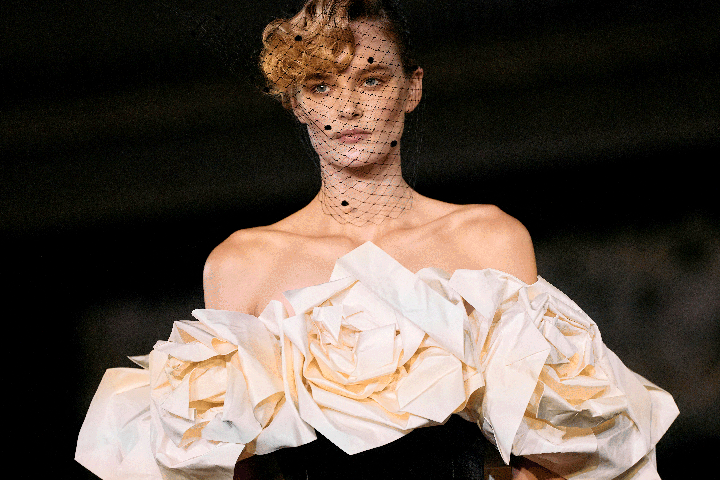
(369, 356)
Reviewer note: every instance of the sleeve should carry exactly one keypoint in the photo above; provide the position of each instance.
(211, 394)
(114, 441)
(553, 390)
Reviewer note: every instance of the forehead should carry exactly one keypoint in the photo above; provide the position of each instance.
(372, 45)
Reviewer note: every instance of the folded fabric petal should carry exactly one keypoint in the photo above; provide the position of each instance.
(408, 293)
(115, 438)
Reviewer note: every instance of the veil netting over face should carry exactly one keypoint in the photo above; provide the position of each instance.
(343, 69)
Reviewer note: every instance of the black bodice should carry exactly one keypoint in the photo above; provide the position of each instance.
(454, 450)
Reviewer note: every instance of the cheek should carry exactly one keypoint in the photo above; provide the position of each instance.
(310, 112)
(392, 108)
(392, 117)
(316, 121)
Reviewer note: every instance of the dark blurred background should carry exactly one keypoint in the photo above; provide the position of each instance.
(134, 138)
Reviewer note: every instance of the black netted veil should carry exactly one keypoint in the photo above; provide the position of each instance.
(235, 41)
(453, 450)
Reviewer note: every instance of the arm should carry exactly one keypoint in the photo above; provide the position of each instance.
(514, 249)
(516, 255)
(230, 283)
(230, 276)
(509, 248)
(506, 243)
(524, 469)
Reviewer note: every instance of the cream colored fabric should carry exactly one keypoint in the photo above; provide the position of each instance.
(369, 356)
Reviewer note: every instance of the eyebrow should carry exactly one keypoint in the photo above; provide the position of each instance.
(318, 76)
(376, 67)
(369, 69)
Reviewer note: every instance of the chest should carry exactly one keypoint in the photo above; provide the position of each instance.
(301, 267)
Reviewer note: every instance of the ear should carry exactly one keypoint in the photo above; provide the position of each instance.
(415, 90)
(298, 110)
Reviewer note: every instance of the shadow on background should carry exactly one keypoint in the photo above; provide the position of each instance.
(133, 140)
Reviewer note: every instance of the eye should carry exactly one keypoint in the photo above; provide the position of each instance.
(320, 88)
(372, 82)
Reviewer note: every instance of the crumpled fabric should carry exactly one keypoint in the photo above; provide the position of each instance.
(366, 358)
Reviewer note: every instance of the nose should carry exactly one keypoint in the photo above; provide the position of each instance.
(349, 103)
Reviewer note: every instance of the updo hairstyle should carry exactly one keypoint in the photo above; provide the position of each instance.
(319, 40)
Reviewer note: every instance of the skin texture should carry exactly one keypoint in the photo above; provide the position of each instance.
(372, 97)
(256, 265)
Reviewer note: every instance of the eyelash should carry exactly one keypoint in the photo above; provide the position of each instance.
(314, 88)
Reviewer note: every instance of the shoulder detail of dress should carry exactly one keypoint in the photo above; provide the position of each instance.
(369, 356)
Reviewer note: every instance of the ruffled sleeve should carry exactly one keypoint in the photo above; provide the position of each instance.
(211, 394)
(553, 391)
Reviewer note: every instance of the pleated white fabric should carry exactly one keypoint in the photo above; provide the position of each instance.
(369, 356)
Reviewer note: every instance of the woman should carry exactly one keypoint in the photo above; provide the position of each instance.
(339, 322)
(363, 196)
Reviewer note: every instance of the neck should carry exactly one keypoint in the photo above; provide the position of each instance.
(364, 195)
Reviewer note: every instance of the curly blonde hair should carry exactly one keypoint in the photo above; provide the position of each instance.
(318, 39)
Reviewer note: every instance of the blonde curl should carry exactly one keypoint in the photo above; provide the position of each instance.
(316, 40)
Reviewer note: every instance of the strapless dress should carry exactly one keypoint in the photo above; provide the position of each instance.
(380, 370)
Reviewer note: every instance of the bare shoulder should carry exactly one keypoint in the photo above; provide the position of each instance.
(240, 250)
(235, 270)
(491, 220)
(497, 239)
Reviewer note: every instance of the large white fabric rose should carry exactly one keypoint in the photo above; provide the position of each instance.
(365, 371)
(554, 392)
(216, 392)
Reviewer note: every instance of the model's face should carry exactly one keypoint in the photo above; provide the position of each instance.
(356, 117)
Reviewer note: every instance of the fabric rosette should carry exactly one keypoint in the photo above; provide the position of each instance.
(367, 360)
(217, 393)
(523, 361)
(553, 390)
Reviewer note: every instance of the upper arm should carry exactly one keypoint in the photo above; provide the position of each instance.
(230, 277)
(507, 245)
(524, 469)
(516, 251)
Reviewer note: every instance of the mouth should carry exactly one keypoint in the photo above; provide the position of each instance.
(354, 135)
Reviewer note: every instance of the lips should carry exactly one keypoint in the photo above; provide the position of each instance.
(354, 135)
